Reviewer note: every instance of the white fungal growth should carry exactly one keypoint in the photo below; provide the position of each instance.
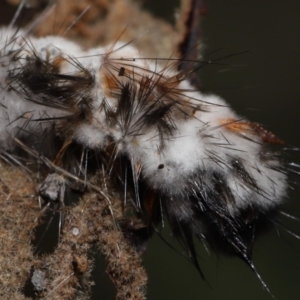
(179, 137)
(38, 280)
(75, 231)
(179, 154)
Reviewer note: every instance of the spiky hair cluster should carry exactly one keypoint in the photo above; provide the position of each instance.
(108, 115)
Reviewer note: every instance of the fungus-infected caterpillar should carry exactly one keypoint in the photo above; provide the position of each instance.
(111, 116)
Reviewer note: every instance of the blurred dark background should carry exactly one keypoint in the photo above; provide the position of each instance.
(262, 85)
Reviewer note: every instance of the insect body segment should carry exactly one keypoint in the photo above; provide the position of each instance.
(211, 170)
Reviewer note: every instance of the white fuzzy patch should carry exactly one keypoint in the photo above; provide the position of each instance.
(198, 143)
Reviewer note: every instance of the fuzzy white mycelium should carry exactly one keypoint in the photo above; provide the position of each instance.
(211, 170)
